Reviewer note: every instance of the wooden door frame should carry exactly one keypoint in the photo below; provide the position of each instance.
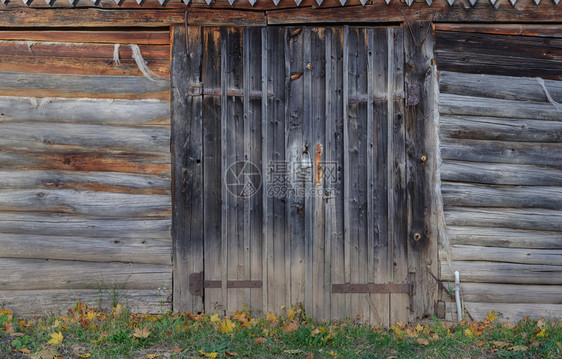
(421, 161)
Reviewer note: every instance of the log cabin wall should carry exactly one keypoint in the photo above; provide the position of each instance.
(501, 144)
(85, 197)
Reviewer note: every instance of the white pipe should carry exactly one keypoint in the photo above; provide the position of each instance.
(458, 295)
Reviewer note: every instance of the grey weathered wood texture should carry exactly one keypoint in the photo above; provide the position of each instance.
(283, 99)
(85, 193)
(501, 143)
(187, 170)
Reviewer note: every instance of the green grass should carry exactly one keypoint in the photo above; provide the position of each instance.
(116, 333)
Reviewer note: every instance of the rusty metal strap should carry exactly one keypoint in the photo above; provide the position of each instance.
(407, 288)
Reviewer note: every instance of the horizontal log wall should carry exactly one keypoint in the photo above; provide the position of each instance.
(501, 145)
(85, 193)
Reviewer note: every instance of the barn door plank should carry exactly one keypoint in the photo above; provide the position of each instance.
(267, 223)
(316, 183)
(310, 271)
(382, 262)
(399, 302)
(212, 162)
(295, 145)
(346, 169)
(252, 153)
(235, 263)
(187, 228)
(334, 156)
(357, 159)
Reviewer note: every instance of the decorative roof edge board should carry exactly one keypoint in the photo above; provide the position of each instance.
(494, 3)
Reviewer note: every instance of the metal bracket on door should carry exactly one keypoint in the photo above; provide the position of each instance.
(197, 283)
(407, 288)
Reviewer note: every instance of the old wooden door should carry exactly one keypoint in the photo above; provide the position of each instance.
(290, 171)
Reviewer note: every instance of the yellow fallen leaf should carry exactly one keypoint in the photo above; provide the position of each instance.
(152, 356)
(491, 316)
(215, 318)
(542, 334)
(333, 353)
(208, 355)
(90, 315)
(292, 351)
(56, 339)
(86, 355)
(468, 332)
(227, 326)
(282, 307)
(291, 314)
(141, 333)
(270, 317)
(419, 328)
(241, 317)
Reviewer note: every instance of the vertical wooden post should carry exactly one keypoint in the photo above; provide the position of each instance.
(187, 176)
(421, 152)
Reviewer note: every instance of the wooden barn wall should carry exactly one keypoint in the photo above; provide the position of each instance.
(85, 198)
(501, 145)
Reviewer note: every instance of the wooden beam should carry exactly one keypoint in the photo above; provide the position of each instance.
(224, 17)
(221, 13)
(396, 12)
(505, 29)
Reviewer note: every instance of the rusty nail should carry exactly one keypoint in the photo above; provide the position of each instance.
(309, 66)
(417, 237)
(423, 158)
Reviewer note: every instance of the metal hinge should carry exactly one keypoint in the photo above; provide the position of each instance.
(412, 94)
(197, 283)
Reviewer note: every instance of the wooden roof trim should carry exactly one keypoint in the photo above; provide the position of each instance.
(254, 3)
(221, 13)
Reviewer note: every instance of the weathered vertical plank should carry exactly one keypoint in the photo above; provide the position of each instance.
(278, 253)
(357, 131)
(374, 316)
(382, 262)
(399, 303)
(346, 178)
(247, 201)
(253, 112)
(236, 137)
(334, 157)
(225, 229)
(267, 225)
(310, 270)
(295, 145)
(212, 169)
(421, 142)
(317, 148)
(187, 227)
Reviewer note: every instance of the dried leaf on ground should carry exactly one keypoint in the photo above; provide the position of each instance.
(141, 333)
(290, 327)
(260, 341)
(422, 341)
